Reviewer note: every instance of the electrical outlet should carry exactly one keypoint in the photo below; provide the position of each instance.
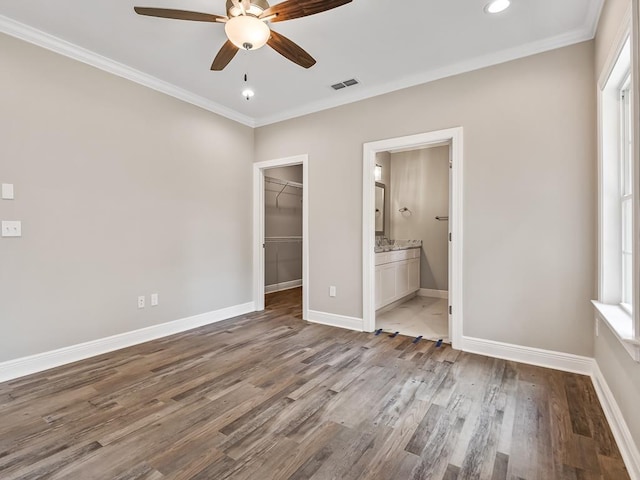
(141, 301)
(11, 228)
(597, 327)
(154, 299)
(332, 291)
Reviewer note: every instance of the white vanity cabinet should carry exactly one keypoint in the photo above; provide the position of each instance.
(397, 275)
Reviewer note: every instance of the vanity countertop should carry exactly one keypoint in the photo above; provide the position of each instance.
(394, 245)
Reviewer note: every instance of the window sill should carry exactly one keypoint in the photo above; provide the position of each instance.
(620, 322)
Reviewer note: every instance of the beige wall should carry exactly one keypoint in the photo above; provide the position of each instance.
(620, 371)
(122, 191)
(420, 182)
(529, 209)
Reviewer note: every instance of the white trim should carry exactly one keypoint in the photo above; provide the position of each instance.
(43, 361)
(566, 362)
(455, 137)
(258, 228)
(608, 276)
(57, 45)
(617, 423)
(624, 31)
(427, 292)
(593, 16)
(396, 303)
(621, 325)
(279, 287)
(574, 364)
(333, 320)
(586, 32)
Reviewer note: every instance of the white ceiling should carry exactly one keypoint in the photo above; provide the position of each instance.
(385, 44)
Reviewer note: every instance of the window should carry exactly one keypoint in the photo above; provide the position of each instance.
(616, 163)
(626, 194)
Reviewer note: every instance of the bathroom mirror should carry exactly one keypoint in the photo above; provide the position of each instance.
(380, 208)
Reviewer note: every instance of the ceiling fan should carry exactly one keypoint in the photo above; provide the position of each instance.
(246, 27)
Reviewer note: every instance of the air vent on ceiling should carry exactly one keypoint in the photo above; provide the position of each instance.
(346, 83)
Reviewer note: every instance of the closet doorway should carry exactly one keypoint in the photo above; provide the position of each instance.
(280, 263)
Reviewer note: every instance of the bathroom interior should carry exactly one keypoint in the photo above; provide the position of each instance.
(283, 187)
(412, 242)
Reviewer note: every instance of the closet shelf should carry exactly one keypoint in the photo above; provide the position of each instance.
(282, 239)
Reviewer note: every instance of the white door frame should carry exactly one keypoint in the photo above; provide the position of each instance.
(453, 136)
(258, 228)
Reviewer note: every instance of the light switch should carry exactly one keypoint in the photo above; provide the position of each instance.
(11, 228)
(7, 191)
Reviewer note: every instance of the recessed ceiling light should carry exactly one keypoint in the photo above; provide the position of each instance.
(497, 6)
(248, 93)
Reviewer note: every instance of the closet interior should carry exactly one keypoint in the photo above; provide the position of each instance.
(283, 228)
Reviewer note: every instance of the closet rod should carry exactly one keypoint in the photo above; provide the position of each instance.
(286, 183)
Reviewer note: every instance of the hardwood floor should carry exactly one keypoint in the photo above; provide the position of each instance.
(269, 396)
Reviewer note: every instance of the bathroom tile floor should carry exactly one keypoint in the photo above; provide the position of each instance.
(426, 316)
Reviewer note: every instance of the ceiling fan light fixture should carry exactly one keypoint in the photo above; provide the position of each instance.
(247, 32)
(497, 6)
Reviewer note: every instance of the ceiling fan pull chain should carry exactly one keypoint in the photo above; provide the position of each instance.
(247, 92)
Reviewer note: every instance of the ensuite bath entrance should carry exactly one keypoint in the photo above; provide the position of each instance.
(412, 236)
(411, 248)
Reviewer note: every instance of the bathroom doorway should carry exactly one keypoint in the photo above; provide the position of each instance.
(280, 253)
(412, 235)
(412, 244)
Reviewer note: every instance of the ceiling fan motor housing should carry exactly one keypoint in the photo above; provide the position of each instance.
(256, 8)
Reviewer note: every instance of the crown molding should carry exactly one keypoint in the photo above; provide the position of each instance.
(476, 63)
(593, 16)
(45, 40)
(37, 37)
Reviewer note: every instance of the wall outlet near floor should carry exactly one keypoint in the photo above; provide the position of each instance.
(332, 291)
(597, 327)
(154, 299)
(141, 301)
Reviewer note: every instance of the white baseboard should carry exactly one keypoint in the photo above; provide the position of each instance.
(533, 356)
(333, 320)
(621, 433)
(427, 292)
(279, 287)
(395, 304)
(43, 361)
(575, 364)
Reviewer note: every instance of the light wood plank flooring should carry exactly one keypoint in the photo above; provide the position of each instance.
(269, 396)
